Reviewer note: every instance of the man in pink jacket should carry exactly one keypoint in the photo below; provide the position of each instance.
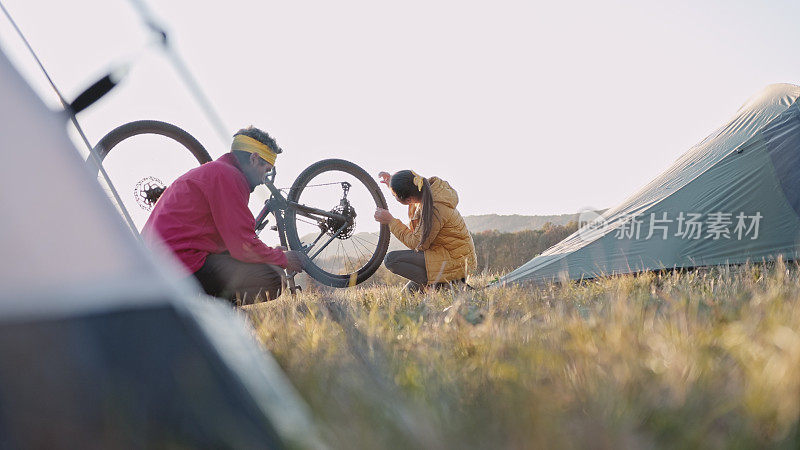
(204, 219)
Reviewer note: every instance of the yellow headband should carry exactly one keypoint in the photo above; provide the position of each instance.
(250, 145)
(417, 181)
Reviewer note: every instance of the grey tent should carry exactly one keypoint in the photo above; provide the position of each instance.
(732, 198)
(100, 345)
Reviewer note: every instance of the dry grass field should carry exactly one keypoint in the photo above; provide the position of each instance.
(703, 359)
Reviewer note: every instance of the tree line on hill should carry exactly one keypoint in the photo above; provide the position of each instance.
(498, 252)
(501, 252)
(514, 223)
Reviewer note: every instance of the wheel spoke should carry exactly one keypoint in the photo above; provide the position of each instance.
(359, 242)
(363, 241)
(339, 258)
(349, 265)
(374, 244)
(356, 243)
(335, 235)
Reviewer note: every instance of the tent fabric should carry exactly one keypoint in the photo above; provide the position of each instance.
(101, 344)
(141, 367)
(732, 198)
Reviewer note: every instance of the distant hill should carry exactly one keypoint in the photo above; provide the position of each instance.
(476, 224)
(515, 223)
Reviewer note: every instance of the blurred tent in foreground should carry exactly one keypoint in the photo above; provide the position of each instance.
(102, 346)
(733, 198)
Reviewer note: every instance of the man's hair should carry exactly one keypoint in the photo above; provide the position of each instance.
(260, 136)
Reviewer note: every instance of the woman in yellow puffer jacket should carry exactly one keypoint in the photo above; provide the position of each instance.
(441, 248)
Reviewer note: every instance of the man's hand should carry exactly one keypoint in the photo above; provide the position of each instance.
(384, 177)
(383, 216)
(294, 262)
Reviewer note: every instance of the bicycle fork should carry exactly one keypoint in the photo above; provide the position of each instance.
(261, 222)
(290, 280)
(281, 229)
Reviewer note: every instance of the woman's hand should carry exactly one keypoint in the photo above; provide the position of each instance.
(383, 216)
(384, 177)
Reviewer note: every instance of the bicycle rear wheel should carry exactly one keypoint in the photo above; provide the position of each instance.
(149, 155)
(341, 253)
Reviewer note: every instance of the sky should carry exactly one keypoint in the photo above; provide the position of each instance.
(524, 107)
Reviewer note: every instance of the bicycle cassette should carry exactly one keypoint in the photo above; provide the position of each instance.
(335, 224)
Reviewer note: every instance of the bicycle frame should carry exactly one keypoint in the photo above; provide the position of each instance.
(276, 204)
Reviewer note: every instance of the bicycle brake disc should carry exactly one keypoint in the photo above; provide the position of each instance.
(147, 192)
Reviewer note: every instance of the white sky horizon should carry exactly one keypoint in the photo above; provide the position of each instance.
(525, 108)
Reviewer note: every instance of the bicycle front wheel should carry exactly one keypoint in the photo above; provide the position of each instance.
(347, 249)
(148, 156)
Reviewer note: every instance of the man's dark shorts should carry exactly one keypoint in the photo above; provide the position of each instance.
(226, 277)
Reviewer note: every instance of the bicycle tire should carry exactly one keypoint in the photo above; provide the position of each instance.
(135, 128)
(293, 238)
